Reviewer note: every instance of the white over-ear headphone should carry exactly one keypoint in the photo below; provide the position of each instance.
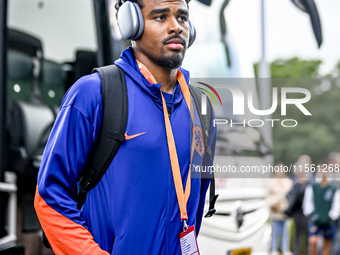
(131, 22)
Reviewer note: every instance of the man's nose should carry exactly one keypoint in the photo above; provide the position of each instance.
(174, 26)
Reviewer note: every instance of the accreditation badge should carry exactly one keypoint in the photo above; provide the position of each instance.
(188, 242)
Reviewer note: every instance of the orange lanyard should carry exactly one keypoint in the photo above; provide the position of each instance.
(182, 196)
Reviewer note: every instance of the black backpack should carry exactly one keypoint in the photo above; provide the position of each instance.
(113, 129)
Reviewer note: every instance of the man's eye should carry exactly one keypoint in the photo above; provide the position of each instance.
(160, 18)
(183, 18)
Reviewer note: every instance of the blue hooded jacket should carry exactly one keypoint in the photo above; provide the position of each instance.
(134, 208)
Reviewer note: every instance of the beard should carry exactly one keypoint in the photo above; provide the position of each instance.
(171, 62)
(170, 59)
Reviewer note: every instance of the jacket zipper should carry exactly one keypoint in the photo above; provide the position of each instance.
(169, 111)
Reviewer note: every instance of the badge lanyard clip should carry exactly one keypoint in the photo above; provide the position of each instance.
(185, 225)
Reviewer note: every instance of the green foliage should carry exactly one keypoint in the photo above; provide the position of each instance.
(336, 72)
(295, 68)
(315, 135)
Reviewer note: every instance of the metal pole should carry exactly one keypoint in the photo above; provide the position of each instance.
(3, 93)
(11, 179)
(105, 50)
(263, 66)
(10, 186)
(264, 81)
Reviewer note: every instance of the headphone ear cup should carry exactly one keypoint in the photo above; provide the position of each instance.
(192, 35)
(140, 21)
(130, 21)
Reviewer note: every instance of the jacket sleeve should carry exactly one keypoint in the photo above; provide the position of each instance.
(308, 201)
(292, 198)
(207, 161)
(334, 212)
(71, 140)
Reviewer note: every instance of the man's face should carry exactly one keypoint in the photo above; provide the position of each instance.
(166, 32)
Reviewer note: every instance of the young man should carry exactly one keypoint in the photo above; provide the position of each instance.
(322, 206)
(134, 208)
(295, 198)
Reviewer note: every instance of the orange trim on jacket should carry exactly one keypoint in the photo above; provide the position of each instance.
(65, 236)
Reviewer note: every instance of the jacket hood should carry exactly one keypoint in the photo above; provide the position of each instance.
(128, 63)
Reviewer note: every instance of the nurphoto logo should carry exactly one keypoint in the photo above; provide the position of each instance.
(238, 99)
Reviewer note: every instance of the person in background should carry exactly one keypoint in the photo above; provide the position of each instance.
(334, 160)
(295, 198)
(322, 206)
(278, 189)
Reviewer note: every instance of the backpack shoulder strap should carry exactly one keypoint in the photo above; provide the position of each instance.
(114, 96)
(114, 119)
(206, 123)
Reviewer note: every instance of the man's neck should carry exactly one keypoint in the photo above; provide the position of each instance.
(167, 77)
(324, 181)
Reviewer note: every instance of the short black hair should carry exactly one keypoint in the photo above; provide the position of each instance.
(139, 2)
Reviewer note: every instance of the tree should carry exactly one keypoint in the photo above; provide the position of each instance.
(315, 135)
